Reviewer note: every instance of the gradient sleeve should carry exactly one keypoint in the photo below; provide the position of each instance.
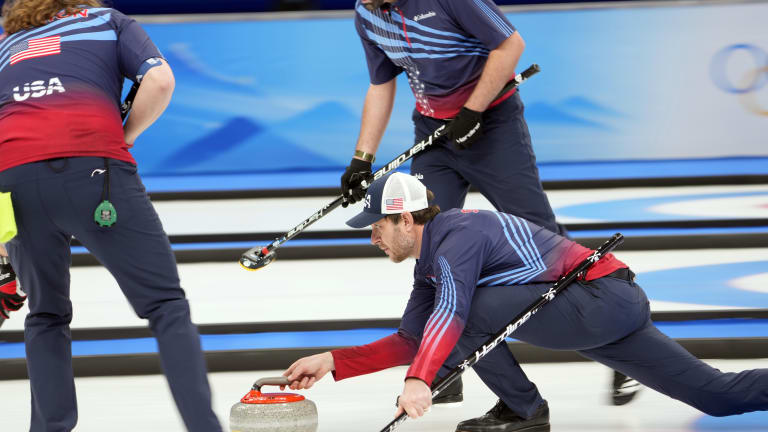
(482, 19)
(394, 350)
(458, 260)
(134, 47)
(380, 67)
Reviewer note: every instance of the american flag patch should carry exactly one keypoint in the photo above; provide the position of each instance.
(394, 204)
(35, 48)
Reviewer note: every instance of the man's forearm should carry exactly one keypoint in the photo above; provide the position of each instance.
(153, 97)
(376, 112)
(498, 70)
(394, 350)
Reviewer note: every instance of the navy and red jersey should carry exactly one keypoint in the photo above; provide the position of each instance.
(441, 44)
(60, 86)
(461, 251)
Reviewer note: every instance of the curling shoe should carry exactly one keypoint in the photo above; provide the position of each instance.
(502, 419)
(452, 396)
(624, 388)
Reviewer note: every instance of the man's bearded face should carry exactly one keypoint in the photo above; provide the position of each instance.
(373, 5)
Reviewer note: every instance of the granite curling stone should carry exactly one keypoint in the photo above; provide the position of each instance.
(274, 412)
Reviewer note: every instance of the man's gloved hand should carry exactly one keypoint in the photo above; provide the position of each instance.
(10, 300)
(465, 128)
(357, 171)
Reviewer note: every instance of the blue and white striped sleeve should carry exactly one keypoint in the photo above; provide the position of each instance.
(482, 19)
(380, 67)
(458, 262)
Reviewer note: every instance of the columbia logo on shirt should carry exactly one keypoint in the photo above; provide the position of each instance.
(426, 15)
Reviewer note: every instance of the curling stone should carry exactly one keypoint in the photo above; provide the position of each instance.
(274, 412)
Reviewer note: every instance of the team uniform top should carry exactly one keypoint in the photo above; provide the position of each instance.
(60, 86)
(464, 250)
(441, 44)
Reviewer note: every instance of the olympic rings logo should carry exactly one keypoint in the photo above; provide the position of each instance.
(752, 81)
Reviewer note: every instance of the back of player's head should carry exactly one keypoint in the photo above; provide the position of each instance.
(28, 14)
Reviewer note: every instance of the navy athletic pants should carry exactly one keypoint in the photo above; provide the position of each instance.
(54, 200)
(606, 320)
(501, 165)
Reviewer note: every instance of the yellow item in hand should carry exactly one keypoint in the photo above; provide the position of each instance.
(7, 221)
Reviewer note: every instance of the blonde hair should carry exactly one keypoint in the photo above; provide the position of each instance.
(27, 14)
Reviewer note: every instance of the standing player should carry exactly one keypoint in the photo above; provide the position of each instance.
(65, 161)
(477, 269)
(458, 55)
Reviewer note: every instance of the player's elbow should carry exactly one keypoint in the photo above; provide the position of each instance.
(516, 42)
(511, 49)
(160, 79)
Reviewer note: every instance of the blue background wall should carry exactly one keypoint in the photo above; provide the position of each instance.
(218, 6)
(617, 84)
(627, 84)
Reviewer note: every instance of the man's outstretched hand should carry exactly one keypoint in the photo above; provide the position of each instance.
(306, 371)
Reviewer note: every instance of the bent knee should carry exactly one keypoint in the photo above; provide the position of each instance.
(165, 308)
(720, 409)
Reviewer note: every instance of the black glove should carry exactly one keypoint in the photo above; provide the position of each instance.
(465, 128)
(357, 171)
(10, 300)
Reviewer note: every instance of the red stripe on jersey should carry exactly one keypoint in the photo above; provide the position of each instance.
(405, 31)
(66, 125)
(446, 107)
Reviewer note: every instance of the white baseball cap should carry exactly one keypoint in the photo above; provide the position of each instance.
(392, 194)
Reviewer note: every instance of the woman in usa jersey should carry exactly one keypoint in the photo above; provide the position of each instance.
(65, 160)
